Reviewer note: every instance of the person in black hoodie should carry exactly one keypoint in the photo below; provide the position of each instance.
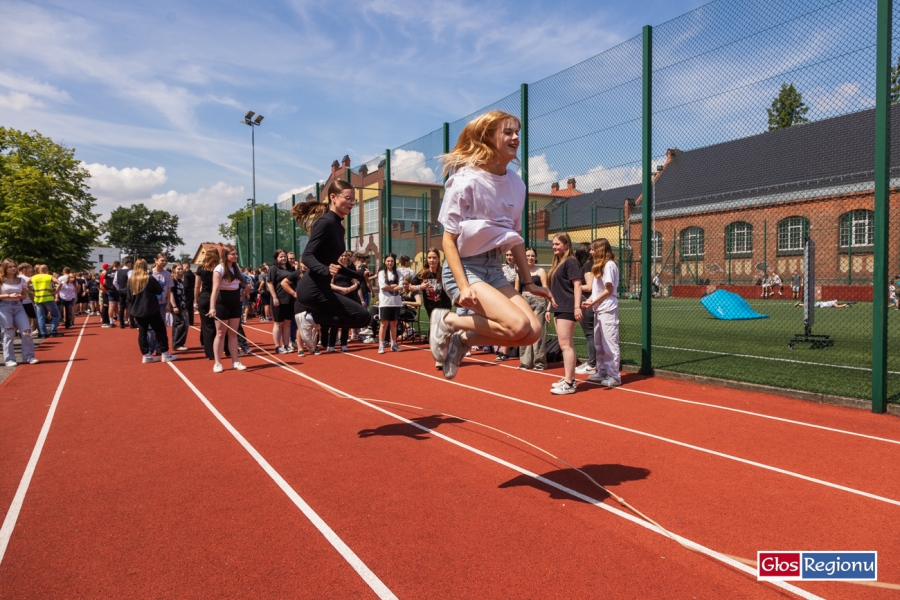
(143, 304)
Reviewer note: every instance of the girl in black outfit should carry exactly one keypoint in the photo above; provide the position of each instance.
(345, 286)
(144, 307)
(203, 291)
(565, 285)
(179, 311)
(321, 304)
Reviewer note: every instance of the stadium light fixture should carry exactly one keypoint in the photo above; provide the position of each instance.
(253, 124)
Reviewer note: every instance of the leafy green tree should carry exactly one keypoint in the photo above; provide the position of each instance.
(787, 108)
(229, 230)
(141, 232)
(895, 82)
(45, 202)
(184, 257)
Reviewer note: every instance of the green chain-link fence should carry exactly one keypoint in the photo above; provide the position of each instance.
(729, 137)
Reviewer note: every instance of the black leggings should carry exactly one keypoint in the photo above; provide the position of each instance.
(330, 335)
(156, 323)
(330, 309)
(207, 326)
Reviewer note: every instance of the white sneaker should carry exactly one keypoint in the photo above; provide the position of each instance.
(10, 363)
(438, 365)
(149, 358)
(598, 377)
(280, 350)
(439, 334)
(395, 348)
(610, 382)
(329, 350)
(169, 357)
(585, 369)
(181, 348)
(238, 366)
(565, 388)
(307, 330)
(32, 361)
(366, 332)
(380, 349)
(456, 350)
(217, 368)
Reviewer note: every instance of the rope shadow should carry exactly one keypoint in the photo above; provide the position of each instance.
(410, 431)
(606, 475)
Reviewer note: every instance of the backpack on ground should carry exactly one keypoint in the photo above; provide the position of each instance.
(554, 353)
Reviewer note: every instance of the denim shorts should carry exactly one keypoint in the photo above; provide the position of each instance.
(485, 267)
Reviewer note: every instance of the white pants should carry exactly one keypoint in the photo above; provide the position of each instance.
(606, 339)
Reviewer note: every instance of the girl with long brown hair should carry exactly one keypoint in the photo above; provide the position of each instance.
(604, 301)
(482, 218)
(225, 307)
(317, 303)
(565, 283)
(143, 304)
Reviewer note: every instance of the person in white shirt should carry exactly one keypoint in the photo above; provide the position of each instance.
(225, 307)
(390, 285)
(482, 217)
(67, 295)
(605, 302)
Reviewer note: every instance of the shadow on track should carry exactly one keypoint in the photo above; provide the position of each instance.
(411, 431)
(606, 475)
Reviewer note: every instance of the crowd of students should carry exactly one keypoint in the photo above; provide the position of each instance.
(321, 302)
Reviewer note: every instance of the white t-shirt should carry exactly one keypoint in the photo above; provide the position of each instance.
(610, 275)
(406, 272)
(484, 209)
(223, 285)
(776, 280)
(25, 280)
(388, 298)
(165, 281)
(67, 287)
(826, 304)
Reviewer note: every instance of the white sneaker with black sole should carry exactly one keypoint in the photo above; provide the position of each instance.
(565, 388)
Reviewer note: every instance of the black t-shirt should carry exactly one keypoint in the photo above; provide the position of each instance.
(206, 280)
(189, 283)
(325, 246)
(275, 276)
(563, 286)
(342, 280)
(435, 296)
(79, 287)
(178, 291)
(294, 280)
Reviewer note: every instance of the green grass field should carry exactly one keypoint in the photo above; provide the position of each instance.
(687, 339)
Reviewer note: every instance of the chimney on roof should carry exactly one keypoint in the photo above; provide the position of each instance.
(334, 167)
(345, 162)
(598, 190)
(554, 187)
(570, 184)
(363, 171)
(381, 163)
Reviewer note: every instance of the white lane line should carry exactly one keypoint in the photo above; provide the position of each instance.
(343, 549)
(675, 399)
(599, 504)
(12, 515)
(645, 434)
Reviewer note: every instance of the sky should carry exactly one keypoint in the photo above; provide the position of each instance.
(151, 95)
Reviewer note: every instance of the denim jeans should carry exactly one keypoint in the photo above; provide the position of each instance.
(41, 308)
(12, 317)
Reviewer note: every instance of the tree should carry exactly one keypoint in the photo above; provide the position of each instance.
(141, 232)
(787, 108)
(184, 257)
(895, 82)
(229, 230)
(45, 203)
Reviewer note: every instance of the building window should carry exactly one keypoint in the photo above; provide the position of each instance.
(406, 210)
(692, 242)
(656, 246)
(857, 228)
(792, 233)
(739, 238)
(354, 221)
(370, 212)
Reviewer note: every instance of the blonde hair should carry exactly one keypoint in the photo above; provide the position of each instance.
(559, 260)
(602, 254)
(477, 143)
(139, 277)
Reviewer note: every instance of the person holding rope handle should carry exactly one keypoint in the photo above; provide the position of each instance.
(321, 305)
(482, 216)
(225, 307)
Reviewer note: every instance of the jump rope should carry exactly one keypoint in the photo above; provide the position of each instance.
(613, 495)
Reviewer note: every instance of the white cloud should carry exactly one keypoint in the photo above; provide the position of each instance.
(540, 175)
(122, 185)
(18, 101)
(301, 193)
(199, 213)
(411, 165)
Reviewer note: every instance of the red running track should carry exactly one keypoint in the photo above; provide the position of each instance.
(141, 490)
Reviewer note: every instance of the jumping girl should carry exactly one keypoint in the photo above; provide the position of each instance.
(565, 283)
(389, 302)
(605, 302)
(225, 303)
(482, 216)
(321, 304)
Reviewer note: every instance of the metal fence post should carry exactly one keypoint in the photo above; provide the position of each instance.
(386, 217)
(882, 204)
(275, 226)
(294, 228)
(646, 193)
(523, 136)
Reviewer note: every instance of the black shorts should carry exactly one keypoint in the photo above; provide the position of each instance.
(283, 312)
(29, 310)
(565, 316)
(389, 313)
(95, 296)
(228, 304)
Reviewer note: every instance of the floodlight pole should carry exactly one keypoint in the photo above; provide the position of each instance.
(253, 124)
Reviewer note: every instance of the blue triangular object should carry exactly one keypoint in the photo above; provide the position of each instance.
(728, 306)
